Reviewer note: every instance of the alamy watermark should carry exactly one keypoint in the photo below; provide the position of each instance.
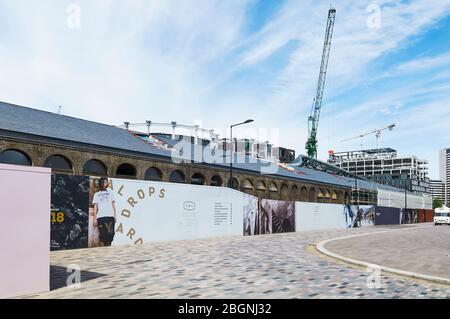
(255, 146)
(73, 20)
(74, 277)
(374, 277)
(374, 18)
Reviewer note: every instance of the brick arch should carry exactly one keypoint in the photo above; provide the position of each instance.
(154, 174)
(304, 196)
(177, 176)
(216, 180)
(313, 195)
(234, 183)
(16, 157)
(273, 190)
(58, 162)
(294, 193)
(320, 195)
(340, 197)
(284, 191)
(347, 198)
(247, 186)
(333, 196)
(126, 170)
(198, 179)
(95, 167)
(261, 186)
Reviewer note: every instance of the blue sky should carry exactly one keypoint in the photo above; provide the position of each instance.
(214, 62)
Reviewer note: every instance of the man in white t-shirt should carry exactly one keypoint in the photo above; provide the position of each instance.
(105, 216)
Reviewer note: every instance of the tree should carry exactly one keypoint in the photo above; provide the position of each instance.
(437, 203)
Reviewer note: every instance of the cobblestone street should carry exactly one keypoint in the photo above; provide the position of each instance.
(270, 266)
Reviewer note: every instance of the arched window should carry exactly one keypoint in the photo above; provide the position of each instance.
(294, 192)
(312, 195)
(234, 183)
(284, 191)
(153, 174)
(15, 157)
(177, 177)
(347, 198)
(58, 162)
(261, 186)
(320, 194)
(126, 170)
(94, 167)
(247, 184)
(216, 180)
(273, 187)
(198, 179)
(333, 196)
(304, 194)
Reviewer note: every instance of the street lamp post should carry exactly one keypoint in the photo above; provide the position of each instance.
(231, 150)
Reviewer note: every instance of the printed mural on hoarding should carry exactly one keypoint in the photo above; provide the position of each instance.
(69, 212)
(276, 216)
(90, 212)
(408, 216)
(251, 216)
(359, 216)
(155, 211)
(264, 216)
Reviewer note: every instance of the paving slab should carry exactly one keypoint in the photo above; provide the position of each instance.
(268, 266)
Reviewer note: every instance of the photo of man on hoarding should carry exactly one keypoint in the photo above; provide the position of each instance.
(105, 215)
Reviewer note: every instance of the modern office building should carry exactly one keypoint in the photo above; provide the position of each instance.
(385, 167)
(437, 189)
(444, 172)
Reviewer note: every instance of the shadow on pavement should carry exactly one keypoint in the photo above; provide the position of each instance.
(59, 276)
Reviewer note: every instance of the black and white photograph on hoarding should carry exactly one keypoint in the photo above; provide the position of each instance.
(408, 216)
(277, 216)
(69, 212)
(251, 216)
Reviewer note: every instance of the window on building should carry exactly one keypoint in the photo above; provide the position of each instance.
(198, 179)
(154, 174)
(95, 168)
(216, 180)
(177, 177)
(15, 157)
(58, 162)
(126, 171)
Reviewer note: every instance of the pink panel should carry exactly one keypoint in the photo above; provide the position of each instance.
(25, 230)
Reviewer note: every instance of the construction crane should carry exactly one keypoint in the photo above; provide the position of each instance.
(313, 120)
(377, 133)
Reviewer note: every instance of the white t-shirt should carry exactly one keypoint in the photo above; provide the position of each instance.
(104, 201)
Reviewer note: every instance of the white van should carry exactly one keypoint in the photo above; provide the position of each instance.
(442, 216)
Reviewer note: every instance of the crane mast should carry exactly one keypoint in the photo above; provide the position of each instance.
(313, 120)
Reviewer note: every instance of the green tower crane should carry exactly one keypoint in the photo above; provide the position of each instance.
(313, 119)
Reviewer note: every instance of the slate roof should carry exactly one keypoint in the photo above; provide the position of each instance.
(46, 124)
